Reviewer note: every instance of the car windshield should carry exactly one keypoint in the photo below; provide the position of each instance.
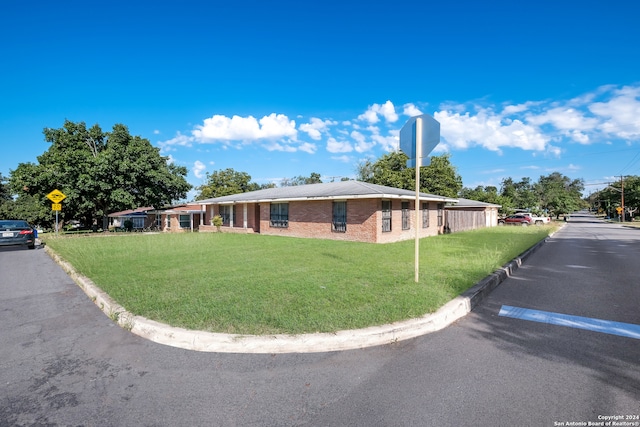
(13, 224)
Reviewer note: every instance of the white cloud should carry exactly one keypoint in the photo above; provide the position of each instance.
(488, 130)
(369, 116)
(362, 145)
(518, 108)
(179, 140)
(316, 127)
(565, 119)
(276, 146)
(244, 129)
(620, 115)
(335, 146)
(411, 110)
(199, 169)
(307, 147)
(386, 110)
(388, 143)
(343, 159)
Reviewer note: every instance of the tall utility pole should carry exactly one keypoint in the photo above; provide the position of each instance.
(622, 195)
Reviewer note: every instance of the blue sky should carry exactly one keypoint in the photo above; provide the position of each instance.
(282, 89)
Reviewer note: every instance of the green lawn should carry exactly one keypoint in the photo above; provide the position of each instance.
(255, 284)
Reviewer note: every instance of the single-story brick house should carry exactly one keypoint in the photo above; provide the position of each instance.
(180, 218)
(140, 218)
(345, 210)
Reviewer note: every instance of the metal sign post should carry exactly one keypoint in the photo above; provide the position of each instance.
(418, 137)
(416, 208)
(56, 196)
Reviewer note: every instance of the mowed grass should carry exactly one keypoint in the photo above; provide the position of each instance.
(256, 284)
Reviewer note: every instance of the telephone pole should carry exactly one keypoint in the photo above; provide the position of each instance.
(622, 195)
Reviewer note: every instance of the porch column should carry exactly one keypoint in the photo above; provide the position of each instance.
(244, 213)
(231, 219)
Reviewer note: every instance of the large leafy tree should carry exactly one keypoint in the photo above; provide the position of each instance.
(559, 194)
(225, 182)
(100, 172)
(489, 194)
(5, 193)
(522, 194)
(632, 194)
(610, 197)
(440, 177)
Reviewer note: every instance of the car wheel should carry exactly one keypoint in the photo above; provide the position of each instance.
(500, 222)
(524, 224)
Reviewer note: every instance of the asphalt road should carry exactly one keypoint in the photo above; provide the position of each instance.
(63, 362)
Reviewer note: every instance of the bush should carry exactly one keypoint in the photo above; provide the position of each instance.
(217, 221)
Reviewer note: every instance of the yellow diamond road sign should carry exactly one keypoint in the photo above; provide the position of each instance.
(56, 196)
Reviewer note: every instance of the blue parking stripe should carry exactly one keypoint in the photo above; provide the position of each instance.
(605, 326)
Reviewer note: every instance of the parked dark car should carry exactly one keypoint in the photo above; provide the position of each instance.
(516, 220)
(14, 232)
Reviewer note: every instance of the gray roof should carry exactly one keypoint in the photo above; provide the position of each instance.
(324, 191)
(467, 203)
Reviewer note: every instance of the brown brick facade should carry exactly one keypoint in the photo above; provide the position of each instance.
(313, 219)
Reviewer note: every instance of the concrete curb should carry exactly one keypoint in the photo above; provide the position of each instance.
(306, 343)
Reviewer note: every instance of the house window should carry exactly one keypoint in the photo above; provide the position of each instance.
(405, 216)
(158, 221)
(138, 222)
(386, 215)
(339, 223)
(440, 214)
(225, 214)
(425, 215)
(279, 215)
(167, 223)
(185, 221)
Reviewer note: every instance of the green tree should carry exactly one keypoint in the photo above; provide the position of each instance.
(440, 177)
(225, 182)
(100, 172)
(610, 197)
(314, 178)
(632, 194)
(489, 194)
(5, 192)
(522, 194)
(559, 194)
(29, 208)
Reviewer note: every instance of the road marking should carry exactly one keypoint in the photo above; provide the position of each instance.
(598, 325)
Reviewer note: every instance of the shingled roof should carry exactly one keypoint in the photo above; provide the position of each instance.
(324, 191)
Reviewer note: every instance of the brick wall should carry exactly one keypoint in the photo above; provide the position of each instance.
(312, 219)
(397, 233)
